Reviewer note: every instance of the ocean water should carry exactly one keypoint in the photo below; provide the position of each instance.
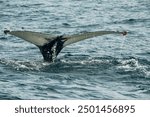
(105, 67)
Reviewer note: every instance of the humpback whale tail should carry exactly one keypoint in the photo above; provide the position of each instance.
(50, 46)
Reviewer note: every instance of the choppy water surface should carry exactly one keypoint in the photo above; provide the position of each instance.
(106, 67)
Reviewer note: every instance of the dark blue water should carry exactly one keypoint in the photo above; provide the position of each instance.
(106, 67)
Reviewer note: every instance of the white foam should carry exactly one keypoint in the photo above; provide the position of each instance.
(24, 65)
(133, 65)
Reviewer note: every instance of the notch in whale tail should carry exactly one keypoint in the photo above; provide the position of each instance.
(50, 46)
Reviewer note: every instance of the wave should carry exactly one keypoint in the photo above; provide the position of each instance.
(23, 65)
(124, 66)
(132, 21)
(135, 67)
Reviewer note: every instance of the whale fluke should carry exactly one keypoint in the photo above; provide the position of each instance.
(36, 38)
(50, 46)
(86, 35)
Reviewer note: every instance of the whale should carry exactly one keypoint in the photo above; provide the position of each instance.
(51, 45)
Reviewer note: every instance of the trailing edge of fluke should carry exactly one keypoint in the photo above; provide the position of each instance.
(50, 46)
